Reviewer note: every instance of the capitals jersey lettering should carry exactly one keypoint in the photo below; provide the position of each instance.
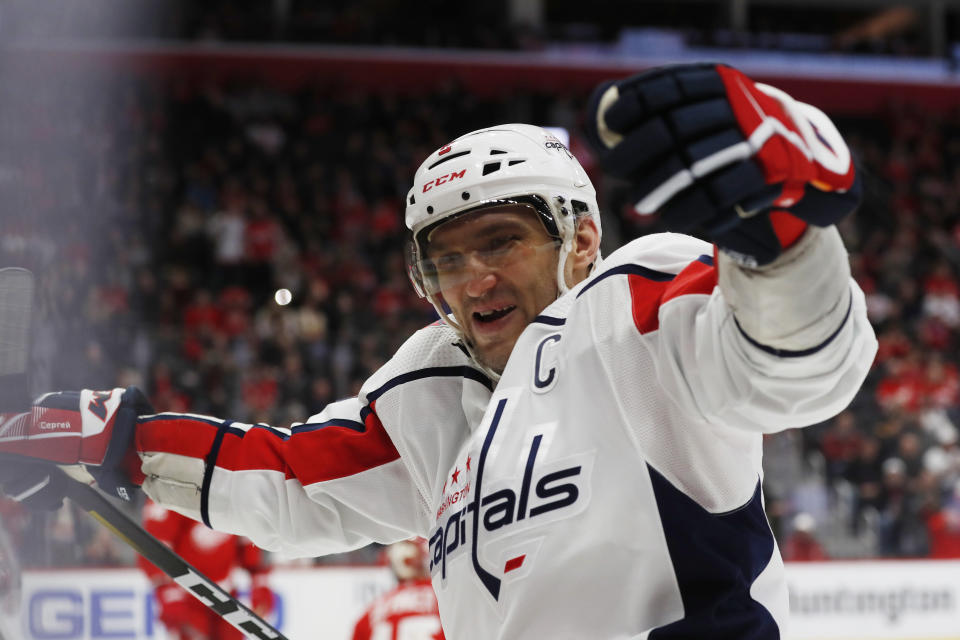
(608, 486)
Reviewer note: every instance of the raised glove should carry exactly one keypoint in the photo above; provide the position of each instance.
(66, 428)
(708, 148)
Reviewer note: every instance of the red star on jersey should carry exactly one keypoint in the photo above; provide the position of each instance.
(455, 474)
(468, 463)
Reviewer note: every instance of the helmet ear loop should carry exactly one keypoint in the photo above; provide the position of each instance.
(568, 235)
(595, 265)
(565, 248)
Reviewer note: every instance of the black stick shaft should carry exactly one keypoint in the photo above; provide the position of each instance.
(198, 585)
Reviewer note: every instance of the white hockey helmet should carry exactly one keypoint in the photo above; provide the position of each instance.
(505, 164)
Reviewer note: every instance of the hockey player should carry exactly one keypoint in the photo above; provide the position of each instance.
(216, 555)
(578, 440)
(409, 611)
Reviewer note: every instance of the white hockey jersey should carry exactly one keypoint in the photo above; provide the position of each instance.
(607, 487)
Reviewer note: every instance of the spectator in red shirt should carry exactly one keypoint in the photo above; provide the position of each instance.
(261, 391)
(802, 545)
(262, 235)
(203, 314)
(840, 445)
(941, 383)
(893, 343)
(943, 527)
(902, 387)
(262, 239)
(941, 295)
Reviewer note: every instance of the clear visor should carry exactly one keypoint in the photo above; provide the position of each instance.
(490, 248)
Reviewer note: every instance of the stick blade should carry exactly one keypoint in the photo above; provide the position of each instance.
(16, 317)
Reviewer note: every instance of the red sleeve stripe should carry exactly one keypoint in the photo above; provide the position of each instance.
(313, 454)
(647, 296)
(183, 435)
(650, 288)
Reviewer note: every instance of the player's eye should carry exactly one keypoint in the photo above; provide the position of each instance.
(450, 263)
(501, 244)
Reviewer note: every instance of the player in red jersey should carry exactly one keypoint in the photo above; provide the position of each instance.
(216, 555)
(408, 612)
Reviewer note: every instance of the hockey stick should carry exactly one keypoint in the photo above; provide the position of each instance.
(201, 587)
(16, 304)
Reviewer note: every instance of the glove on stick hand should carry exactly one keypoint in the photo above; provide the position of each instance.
(709, 148)
(37, 485)
(91, 428)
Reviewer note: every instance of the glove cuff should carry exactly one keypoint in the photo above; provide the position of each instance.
(796, 302)
(113, 470)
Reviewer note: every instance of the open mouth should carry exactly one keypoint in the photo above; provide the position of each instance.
(492, 315)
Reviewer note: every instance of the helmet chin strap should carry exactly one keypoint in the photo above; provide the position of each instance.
(493, 375)
(451, 321)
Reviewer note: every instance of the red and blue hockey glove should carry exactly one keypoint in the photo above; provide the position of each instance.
(94, 429)
(710, 149)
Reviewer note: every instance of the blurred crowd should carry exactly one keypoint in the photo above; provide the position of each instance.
(163, 218)
(901, 30)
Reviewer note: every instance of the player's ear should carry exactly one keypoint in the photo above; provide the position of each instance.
(586, 246)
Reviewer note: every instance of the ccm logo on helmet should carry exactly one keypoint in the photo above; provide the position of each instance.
(442, 179)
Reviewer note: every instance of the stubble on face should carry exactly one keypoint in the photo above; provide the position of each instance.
(499, 303)
(493, 347)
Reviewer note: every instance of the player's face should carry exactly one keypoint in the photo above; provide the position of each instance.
(496, 269)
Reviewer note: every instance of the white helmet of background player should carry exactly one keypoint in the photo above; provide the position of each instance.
(408, 559)
(507, 164)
